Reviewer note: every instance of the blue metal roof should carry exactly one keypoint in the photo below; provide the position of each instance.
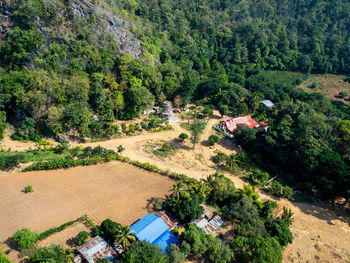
(154, 230)
(165, 240)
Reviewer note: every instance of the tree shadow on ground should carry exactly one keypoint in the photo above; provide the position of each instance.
(325, 212)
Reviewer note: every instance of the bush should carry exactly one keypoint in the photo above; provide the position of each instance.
(108, 230)
(8, 162)
(81, 238)
(183, 136)
(131, 127)
(53, 253)
(213, 139)
(165, 150)
(102, 260)
(223, 190)
(28, 189)
(223, 109)
(287, 192)
(276, 189)
(314, 85)
(144, 125)
(123, 127)
(157, 203)
(143, 251)
(3, 258)
(53, 230)
(258, 176)
(219, 157)
(343, 94)
(25, 238)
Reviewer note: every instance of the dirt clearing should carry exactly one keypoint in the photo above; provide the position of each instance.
(111, 190)
(329, 85)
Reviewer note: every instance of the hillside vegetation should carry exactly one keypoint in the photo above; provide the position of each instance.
(63, 62)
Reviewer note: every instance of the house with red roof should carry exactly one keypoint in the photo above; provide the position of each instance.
(229, 125)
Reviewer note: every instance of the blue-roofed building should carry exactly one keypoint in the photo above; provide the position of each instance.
(153, 229)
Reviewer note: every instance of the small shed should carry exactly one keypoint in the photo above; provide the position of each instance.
(267, 103)
(153, 229)
(209, 226)
(94, 249)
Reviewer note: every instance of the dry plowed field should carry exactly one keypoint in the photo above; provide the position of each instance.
(112, 190)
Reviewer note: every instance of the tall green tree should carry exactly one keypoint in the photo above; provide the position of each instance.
(197, 130)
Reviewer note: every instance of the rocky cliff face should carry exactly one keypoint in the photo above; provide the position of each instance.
(119, 28)
(107, 22)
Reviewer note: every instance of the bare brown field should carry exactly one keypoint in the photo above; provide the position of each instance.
(112, 190)
(329, 85)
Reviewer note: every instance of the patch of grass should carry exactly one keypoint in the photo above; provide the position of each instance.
(185, 126)
(284, 77)
(165, 150)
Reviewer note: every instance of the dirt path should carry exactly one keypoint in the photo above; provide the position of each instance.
(319, 234)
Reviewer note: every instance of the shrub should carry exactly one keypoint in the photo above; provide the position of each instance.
(10, 161)
(157, 203)
(276, 189)
(144, 125)
(28, 189)
(143, 251)
(3, 258)
(223, 109)
(120, 149)
(222, 190)
(123, 127)
(258, 176)
(165, 150)
(314, 85)
(213, 139)
(131, 127)
(81, 238)
(343, 94)
(25, 238)
(102, 260)
(219, 157)
(53, 253)
(108, 230)
(183, 136)
(287, 192)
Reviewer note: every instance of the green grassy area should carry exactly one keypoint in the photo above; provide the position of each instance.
(185, 126)
(284, 77)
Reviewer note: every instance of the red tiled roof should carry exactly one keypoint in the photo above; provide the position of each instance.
(231, 124)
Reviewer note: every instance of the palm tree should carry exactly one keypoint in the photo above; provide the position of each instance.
(209, 181)
(231, 162)
(249, 192)
(201, 189)
(287, 215)
(180, 190)
(124, 237)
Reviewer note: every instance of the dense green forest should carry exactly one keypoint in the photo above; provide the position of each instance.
(59, 70)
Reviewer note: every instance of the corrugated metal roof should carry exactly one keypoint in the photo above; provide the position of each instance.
(267, 103)
(154, 230)
(165, 240)
(96, 248)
